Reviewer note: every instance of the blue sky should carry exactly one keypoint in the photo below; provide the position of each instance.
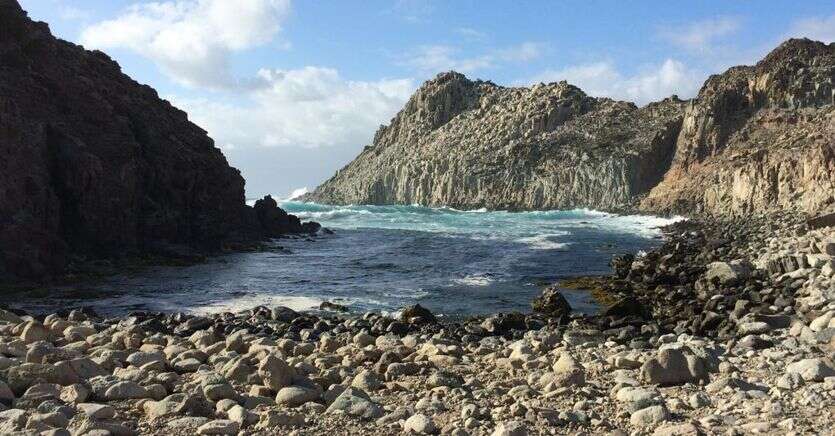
(292, 90)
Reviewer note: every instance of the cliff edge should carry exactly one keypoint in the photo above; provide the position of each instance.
(95, 165)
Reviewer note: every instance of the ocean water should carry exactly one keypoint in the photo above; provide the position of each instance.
(385, 257)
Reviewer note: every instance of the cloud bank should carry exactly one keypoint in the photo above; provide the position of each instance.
(191, 40)
(653, 82)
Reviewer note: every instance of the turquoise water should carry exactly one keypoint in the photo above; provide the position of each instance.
(385, 257)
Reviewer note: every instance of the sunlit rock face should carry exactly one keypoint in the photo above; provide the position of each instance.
(755, 138)
(472, 144)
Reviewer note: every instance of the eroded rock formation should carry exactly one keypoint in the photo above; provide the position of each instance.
(93, 164)
(472, 144)
(758, 137)
(755, 138)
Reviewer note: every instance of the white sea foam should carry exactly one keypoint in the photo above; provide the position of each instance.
(297, 193)
(545, 241)
(238, 304)
(474, 280)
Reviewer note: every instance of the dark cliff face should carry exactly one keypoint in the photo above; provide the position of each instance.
(96, 165)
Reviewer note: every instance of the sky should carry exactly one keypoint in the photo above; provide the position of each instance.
(291, 90)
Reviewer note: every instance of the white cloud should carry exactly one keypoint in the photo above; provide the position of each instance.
(307, 107)
(701, 35)
(817, 28)
(471, 34)
(437, 58)
(527, 51)
(602, 79)
(191, 40)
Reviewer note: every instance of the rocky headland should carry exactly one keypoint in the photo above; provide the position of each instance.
(97, 166)
(755, 138)
(728, 327)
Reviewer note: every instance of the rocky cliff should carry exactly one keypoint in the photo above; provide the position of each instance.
(755, 137)
(472, 144)
(758, 137)
(96, 165)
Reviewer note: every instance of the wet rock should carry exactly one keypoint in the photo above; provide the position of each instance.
(628, 306)
(551, 303)
(417, 314)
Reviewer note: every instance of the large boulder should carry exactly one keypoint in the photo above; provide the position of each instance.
(728, 273)
(672, 366)
(417, 314)
(357, 403)
(551, 303)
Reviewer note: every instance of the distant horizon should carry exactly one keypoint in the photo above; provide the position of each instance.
(293, 91)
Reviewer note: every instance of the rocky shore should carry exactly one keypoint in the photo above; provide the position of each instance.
(97, 168)
(726, 328)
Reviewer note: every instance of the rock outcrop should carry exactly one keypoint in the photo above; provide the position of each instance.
(755, 138)
(472, 144)
(96, 165)
(758, 137)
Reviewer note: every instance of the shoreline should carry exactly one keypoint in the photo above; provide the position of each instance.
(759, 364)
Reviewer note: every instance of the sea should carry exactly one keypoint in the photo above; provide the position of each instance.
(382, 258)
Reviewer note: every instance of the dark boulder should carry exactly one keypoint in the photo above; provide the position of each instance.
(504, 323)
(276, 222)
(551, 303)
(628, 306)
(621, 265)
(334, 307)
(417, 314)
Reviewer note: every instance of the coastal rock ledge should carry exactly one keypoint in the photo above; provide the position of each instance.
(755, 138)
(96, 165)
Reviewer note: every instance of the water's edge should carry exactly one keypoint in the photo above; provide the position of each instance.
(381, 258)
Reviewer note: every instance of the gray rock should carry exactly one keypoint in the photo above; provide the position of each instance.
(356, 403)
(125, 390)
(652, 415)
(812, 369)
(672, 367)
(275, 372)
(219, 391)
(444, 378)
(294, 396)
(728, 273)
(510, 428)
(96, 411)
(141, 358)
(187, 422)
(21, 377)
(219, 427)
(637, 398)
(367, 381)
(420, 424)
